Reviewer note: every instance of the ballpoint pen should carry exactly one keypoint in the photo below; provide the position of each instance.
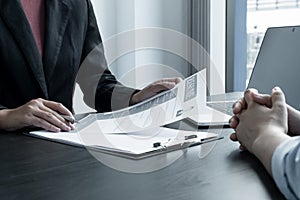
(69, 119)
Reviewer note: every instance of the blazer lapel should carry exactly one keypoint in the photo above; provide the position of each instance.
(13, 15)
(57, 15)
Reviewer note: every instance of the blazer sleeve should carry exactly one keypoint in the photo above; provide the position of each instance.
(100, 88)
(2, 107)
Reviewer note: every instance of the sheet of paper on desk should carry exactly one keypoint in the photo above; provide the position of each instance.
(132, 143)
(182, 101)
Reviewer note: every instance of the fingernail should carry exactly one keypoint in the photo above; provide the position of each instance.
(230, 120)
(57, 130)
(67, 128)
(277, 88)
(72, 127)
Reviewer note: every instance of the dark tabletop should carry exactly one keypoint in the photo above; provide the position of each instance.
(37, 169)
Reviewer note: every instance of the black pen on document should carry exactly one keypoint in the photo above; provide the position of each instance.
(69, 119)
(205, 140)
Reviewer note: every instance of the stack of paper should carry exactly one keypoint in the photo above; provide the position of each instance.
(137, 131)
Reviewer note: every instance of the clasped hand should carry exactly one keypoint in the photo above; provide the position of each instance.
(257, 116)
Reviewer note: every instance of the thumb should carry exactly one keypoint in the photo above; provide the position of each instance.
(262, 99)
(248, 95)
(278, 99)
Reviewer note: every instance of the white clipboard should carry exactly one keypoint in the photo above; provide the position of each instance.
(138, 145)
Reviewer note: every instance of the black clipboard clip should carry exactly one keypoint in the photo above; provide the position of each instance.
(188, 141)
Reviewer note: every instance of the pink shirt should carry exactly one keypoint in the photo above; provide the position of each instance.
(35, 12)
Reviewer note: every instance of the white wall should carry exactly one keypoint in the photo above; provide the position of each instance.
(217, 48)
(117, 16)
(138, 68)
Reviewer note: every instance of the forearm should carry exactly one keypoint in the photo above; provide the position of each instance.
(4, 120)
(112, 97)
(265, 145)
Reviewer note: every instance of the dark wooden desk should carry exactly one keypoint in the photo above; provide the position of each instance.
(36, 169)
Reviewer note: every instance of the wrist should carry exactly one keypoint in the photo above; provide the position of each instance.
(265, 145)
(293, 121)
(134, 98)
(3, 117)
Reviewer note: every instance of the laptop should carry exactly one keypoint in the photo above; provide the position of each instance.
(277, 64)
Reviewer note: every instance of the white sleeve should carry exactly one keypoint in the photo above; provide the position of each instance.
(286, 168)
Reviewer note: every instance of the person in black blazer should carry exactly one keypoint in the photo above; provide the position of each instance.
(35, 90)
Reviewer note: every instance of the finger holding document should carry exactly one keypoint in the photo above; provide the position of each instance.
(38, 113)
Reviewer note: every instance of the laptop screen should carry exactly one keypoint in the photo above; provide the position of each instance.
(278, 64)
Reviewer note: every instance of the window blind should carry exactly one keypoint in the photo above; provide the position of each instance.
(256, 5)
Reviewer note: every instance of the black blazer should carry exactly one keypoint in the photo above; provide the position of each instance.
(71, 33)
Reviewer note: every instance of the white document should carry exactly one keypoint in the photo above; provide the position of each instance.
(132, 132)
(132, 145)
(184, 100)
(209, 117)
